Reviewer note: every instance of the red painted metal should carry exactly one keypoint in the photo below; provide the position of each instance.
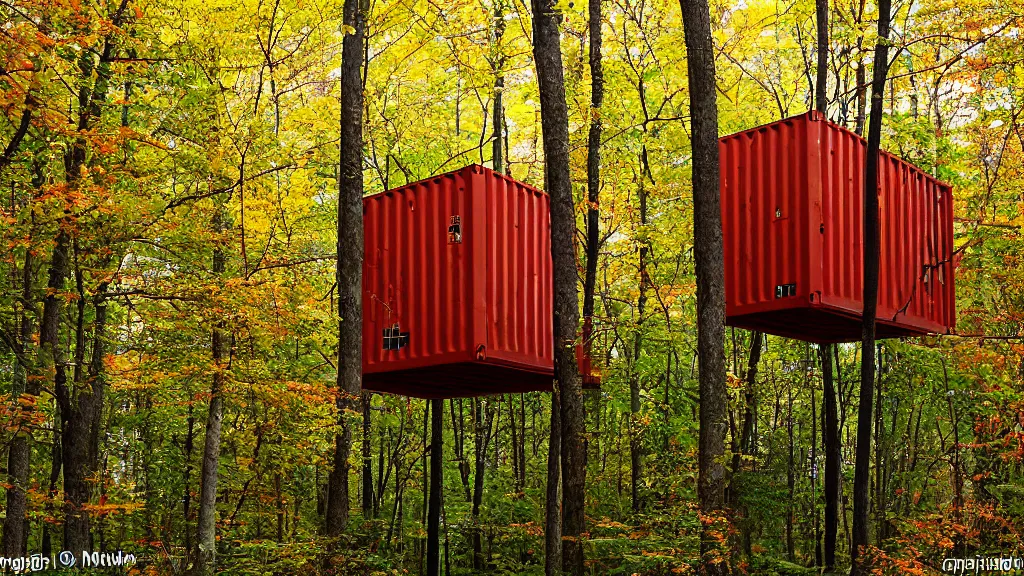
(792, 205)
(461, 263)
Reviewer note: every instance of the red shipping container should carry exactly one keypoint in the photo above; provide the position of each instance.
(457, 287)
(792, 223)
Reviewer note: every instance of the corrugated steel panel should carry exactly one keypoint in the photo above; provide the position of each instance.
(792, 198)
(518, 261)
(477, 311)
(421, 285)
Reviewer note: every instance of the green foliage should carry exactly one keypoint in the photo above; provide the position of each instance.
(231, 108)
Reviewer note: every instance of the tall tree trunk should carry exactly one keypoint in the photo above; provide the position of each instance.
(78, 402)
(830, 429)
(81, 426)
(15, 536)
(860, 77)
(790, 480)
(861, 499)
(498, 112)
(707, 248)
(350, 261)
(746, 434)
(821, 82)
(206, 532)
(547, 52)
(593, 173)
(814, 474)
(878, 506)
(186, 498)
(367, 471)
(553, 510)
(436, 487)
(81, 423)
(56, 464)
(635, 445)
(483, 416)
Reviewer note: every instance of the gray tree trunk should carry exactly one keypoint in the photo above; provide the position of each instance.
(15, 537)
(547, 53)
(436, 487)
(367, 471)
(593, 171)
(350, 262)
(79, 401)
(821, 83)
(861, 499)
(206, 530)
(710, 268)
(553, 511)
(830, 429)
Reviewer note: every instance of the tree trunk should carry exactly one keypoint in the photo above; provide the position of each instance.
(81, 423)
(635, 445)
(814, 474)
(860, 77)
(367, 472)
(547, 52)
(790, 480)
(750, 378)
(56, 461)
(830, 431)
(497, 112)
(707, 249)
(350, 262)
(436, 487)
(15, 536)
(483, 416)
(861, 499)
(746, 435)
(553, 511)
(77, 402)
(206, 532)
(821, 82)
(459, 434)
(496, 140)
(593, 173)
(881, 473)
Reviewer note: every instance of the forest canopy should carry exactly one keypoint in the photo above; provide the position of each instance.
(180, 182)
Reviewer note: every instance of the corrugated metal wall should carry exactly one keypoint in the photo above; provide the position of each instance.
(764, 186)
(413, 276)
(915, 216)
(519, 285)
(485, 300)
(811, 171)
(841, 157)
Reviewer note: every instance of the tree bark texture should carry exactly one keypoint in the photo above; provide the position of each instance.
(593, 171)
(861, 498)
(821, 82)
(547, 52)
(206, 531)
(553, 510)
(350, 263)
(707, 249)
(15, 537)
(436, 487)
(830, 430)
